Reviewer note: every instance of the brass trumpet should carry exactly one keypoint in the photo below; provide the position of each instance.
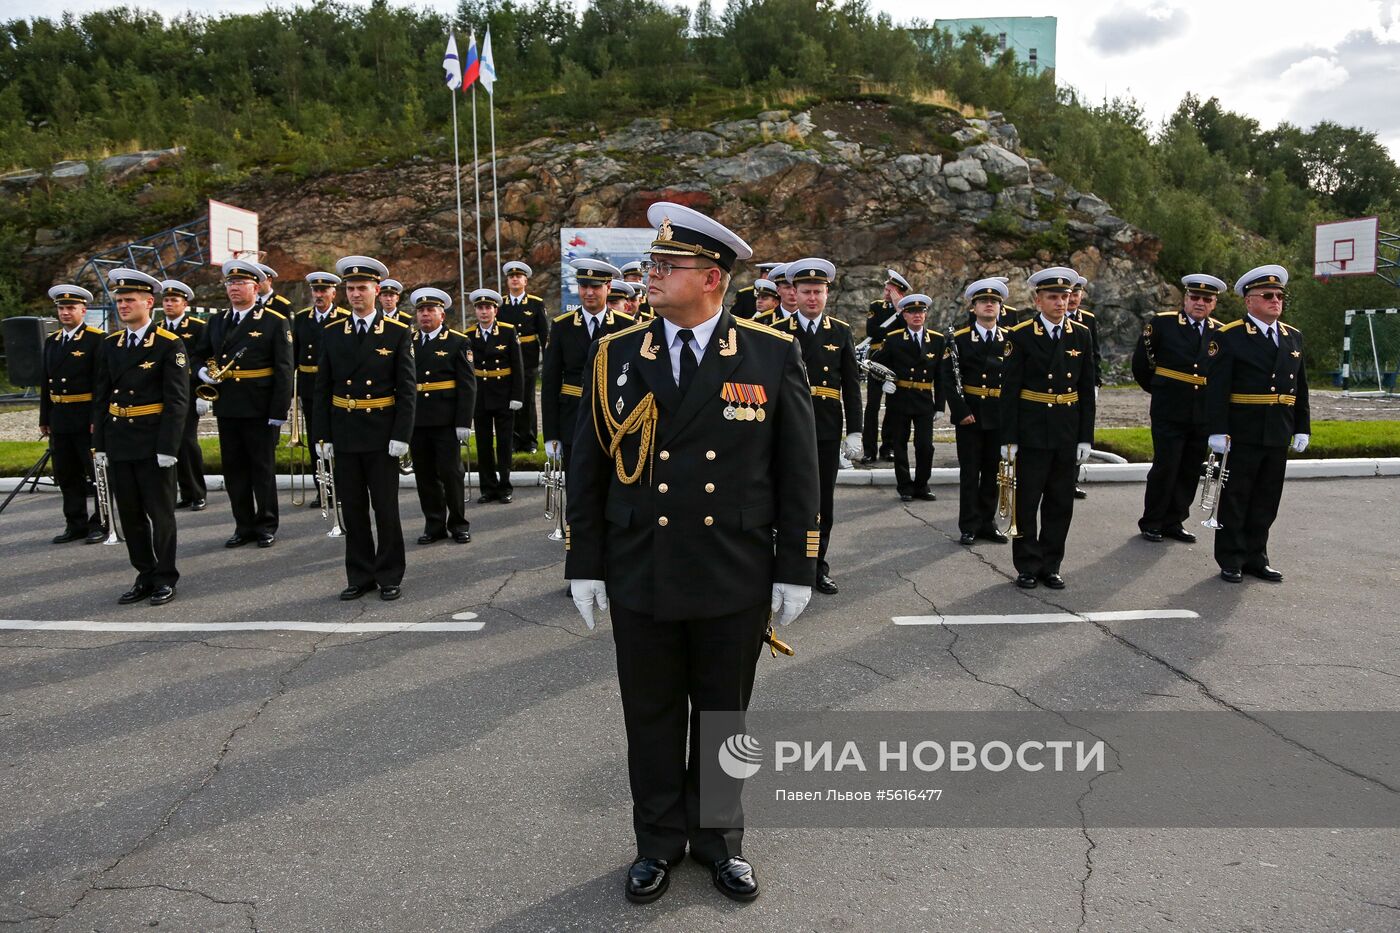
(106, 505)
(554, 496)
(330, 503)
(1214, 475)
(296, 440)
(1006, 499)
(217, 373)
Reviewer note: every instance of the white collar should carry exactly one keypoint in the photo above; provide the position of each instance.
(136, 336)
(1263, 328)
(321, 314)
(598, 318)
(916, 334)
(174, 323)
(432, 334)
(702, 331)
(368, 319)
(517, 300)
(239, 314)
(76, 327)
(785, 312)
(987, 335)
(1045, 322)
(809, 325)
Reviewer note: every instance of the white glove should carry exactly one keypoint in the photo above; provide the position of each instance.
(204, 376)
(789, 601)
(203, 407)
(553, 450)
(587, 594)
(1219, 443)
(325, 450)
(273, 422)
(854, 447)
(1096, 393)
(1082, 451)
(1300, 442)
(1008, 451)
(165, 460)
(463, 434)
(888, 388)
(99, 459)
(397, 449)
(516, 405)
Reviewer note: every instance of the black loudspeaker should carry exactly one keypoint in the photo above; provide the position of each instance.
(24, 348)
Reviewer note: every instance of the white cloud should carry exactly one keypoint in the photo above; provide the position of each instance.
(1126, 30)
(1315, 74)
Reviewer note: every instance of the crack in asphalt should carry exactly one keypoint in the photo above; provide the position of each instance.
(490, 603)
(872, 670)
(250, 907)
(1348, 667)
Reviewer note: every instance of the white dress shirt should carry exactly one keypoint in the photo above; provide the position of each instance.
(703, 332)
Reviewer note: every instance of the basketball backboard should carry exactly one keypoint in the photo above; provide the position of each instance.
(1345, 247)
(233, 233)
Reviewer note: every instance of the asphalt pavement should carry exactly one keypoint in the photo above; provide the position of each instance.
(475, 779)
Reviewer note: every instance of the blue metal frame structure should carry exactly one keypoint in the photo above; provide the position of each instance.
(160, 254)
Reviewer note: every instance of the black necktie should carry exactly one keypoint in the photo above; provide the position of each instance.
(1272, 338)
(689, 364)
(361, 327)
(1055, 333)
(592, 328)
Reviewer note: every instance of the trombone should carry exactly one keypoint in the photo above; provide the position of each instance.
(1006, 499)
(554, 495)
(296, 440)
(330, 502)
(217, 373)
(1214, 475)
(106, 505)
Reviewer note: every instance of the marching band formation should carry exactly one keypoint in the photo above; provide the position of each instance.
(691, 438)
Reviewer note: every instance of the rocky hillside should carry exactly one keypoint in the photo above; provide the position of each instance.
(942, 199)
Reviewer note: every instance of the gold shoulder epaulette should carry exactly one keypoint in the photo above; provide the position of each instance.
(529, 297)
(624, 315)
(471, 329)
(1085, 312)
(395, 321)
(965, 330)
(1021, 325)
(751, 325)
(1232, 325)
(166, 334)
(329, 324)
(640, 325)
(837, 320)
(116, 333)
(934, 332)
(896, 331)
(457, 332)
(505, 326)
(746, 288)
(94, 330)
(561, 317)
(1166, 314)
(277, 314)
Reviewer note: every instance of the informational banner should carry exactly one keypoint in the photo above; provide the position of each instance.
(616, 245)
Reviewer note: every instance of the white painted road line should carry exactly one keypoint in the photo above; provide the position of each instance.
(334, 628)
(1049, 618)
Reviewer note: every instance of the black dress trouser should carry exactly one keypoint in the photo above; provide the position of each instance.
(979, 456)
(828, 464)
(1248, 505)
(72, 472)
(438, 470)
(1178, 450)
(495, 449)
(189, 469)
(1044, 506)
(526, 429)
(365, 480)
(897, 425)
(249, 450)
(145, 494)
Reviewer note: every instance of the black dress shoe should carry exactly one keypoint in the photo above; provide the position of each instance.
(1080, 494)
(503, 498)
(237, 541)
(967, 538)
(429, 539)
(648, 879)
(1231, 574)
(462, 537)
(1265, 573)
(994, 536)
(389, 593)
(1053, 580)
(1152, 534)
(486, 497)
(905, 497)
(266, 540)
(735, 878)
(199, 505)
(926, 496)
(1026, 581)
(1179, 534)
(134, 595)
(887, 456)
(867, 459)
(183, 503)
(68, 535)
(826, 585)
(96, 536)
(355, 592)
(162, 594)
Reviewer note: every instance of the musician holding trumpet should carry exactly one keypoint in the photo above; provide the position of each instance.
(914, 352)
(442, 418)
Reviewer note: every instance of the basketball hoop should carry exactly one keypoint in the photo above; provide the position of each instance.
(233, 233)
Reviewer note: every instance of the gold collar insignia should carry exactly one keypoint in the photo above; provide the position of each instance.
(730, 346)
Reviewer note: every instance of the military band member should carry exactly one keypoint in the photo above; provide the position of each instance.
(175, 298)
(1256, 408)
(971, 378)
(269, 298)
(254, 395)
(787, 298)
(1081, 315)
(141, 393)
(745, 302)
(442, 418)
(571, 340)
(620, 296)
(307, 327)
(390, 290)
(66, 409)
(716, 453)
(765, 297)
(880, 318)
(1171, 363)
(829, 353)
(1047, 412)
(915, 353)
(495, 354)
(531, 321)
(639, 307)
(365, 397)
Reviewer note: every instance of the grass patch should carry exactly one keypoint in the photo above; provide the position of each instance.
(1330, 440)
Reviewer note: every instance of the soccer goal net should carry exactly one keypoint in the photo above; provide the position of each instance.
(1370, 351)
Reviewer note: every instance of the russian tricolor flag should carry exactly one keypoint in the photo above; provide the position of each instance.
(472, 71)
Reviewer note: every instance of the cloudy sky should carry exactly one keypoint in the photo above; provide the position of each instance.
(1273, 59)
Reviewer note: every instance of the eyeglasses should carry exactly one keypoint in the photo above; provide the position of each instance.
(1267, 296)
(662, 269)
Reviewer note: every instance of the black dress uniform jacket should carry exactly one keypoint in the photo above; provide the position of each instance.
(879, 318)
(190, 470)
(1171, 361)
(1086, 317)
(1258, 393)
(65, 407)
(1034, 363)
(531, 323)
(977, 363)
(306, 345)
(362, 373)
(446, 383)
(832, 373)
(917, 388)
(260, 384)
(743, 305)
(692, 536)
(562, 378)
(499, 376)
(130, 383)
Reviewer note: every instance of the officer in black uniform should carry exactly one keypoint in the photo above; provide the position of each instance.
(442, 418)
(971, 378)
(699, 529)
(829, 353)
(269, 298)
(620, 296)
(1257, 409)
(880, 318)
(141, 394)
(365, 394)
(765, 298)
(1171, 363)
(65, 411)
(1047, 412)
(307, 327)
(571, 340)
(527, 314)
(745, 303)
(254, 395)
(915, 353)
(390, 290)
(495, 354)
(639, 306)
(175, 298)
